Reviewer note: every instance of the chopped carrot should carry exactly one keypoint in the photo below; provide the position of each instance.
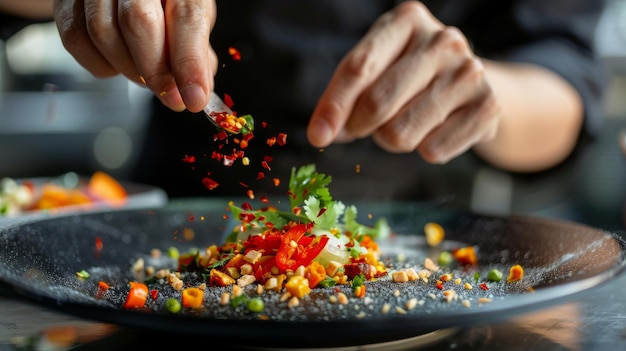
(104, 187)
(314, 273)
(465, 255)
(103, 285)
(515, 273)
(137, 295)
(192, 297)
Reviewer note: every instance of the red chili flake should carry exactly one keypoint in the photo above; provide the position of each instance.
(250, 194)
(439, 285)
(191, 218)
(282, 139)
(269, 225)
(243, 144)
(210, 183)
(103, 285)
(297, 210)
(484, 286)
(225, 216)
(290, 193)
(247, 217)
(221, 135)
(276, 181)
(217, 156)
(229, 160)
(189, 159)
(234, 53)
(228, 101)
(271, 141)
(243, 184)
(246, 206)
(264, 199)
(99, 244)
(268, 159)
(265, 165)
(321, 212)
(260, 175)
(154, 294)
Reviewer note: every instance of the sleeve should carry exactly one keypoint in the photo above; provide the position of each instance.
(557, 34)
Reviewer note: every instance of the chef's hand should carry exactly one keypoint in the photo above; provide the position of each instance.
(412, 84)
(163, 45)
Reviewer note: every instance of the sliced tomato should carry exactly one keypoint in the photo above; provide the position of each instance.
(290, 256)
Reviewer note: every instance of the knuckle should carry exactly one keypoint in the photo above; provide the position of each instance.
(451, 38)
(137, 18)
(358, 65)
(191, 12)
(415, 9)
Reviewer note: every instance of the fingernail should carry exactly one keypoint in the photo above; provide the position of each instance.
(320, 133)
(193, 96)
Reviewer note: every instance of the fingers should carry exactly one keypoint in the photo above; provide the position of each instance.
(362, 66)
(71, 24)
(189, 25)
(163, 45)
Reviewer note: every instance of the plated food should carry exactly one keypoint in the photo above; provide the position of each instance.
(19, 196)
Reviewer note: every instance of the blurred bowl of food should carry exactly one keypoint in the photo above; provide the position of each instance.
(31, 198)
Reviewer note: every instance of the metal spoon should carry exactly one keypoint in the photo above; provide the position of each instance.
(215, 107)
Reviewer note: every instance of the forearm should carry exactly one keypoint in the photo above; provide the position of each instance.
(541, 118)
(31, 9)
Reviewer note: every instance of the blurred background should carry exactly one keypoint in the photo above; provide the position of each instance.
(56, 118)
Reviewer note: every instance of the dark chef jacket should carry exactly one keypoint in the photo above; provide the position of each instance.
(289, 50)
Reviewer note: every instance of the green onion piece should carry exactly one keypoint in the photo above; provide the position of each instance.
(172, 305)
(494, 275)
(327, 282)
(82, 274)
(476, 276)
(255, 304)
(239, 300)
(358, 280)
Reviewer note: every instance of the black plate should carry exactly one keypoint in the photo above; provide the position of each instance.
(39, 261)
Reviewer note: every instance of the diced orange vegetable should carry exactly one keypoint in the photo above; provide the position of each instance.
(192, 297)
(137, 295)
(434, 233)
(104, 187)
(314, 273)
(103, 285)
(465, 255)
(515, 273)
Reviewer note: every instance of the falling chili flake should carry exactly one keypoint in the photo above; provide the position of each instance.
(321, 212)
(99, 244)
(250, 194)
(264, 124)
(191, 218)
(276, 181)
(189, 159)
(282, 139)
(265, 165)
(260, 176)
(271, 141)
(244, 185)
(209, 183)
(358, 168)
(264, 199)
(228, 101)
(234, 53)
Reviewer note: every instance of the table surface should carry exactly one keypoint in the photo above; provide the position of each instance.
(592, 320)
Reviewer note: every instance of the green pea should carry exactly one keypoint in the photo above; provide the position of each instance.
(172, 252)
(445, 258)
(255, 304)
(172, 305)
(494, 275)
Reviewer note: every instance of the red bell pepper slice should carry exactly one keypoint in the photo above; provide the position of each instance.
(290, 257)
